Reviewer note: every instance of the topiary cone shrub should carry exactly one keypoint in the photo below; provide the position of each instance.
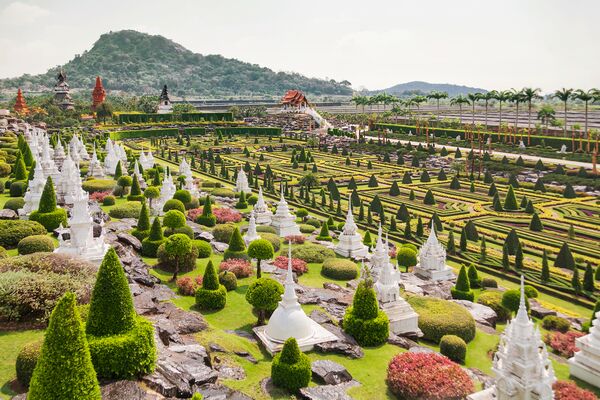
(429, 199)
(47, 213)
(237, 246)
(324, 233)
(212, 295)
(510, 202)
(462, 289)
(454, 348)
(368, 325)
(64, 369)
(151, 244)
(121, 343)
(135, 194)
(207, 218)
(427, 376)
(291, 369)
(142, 229)
(242, 202)
(564, 258)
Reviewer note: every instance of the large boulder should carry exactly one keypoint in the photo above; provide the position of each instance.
(346, 344)
(328, 392)
(329, 372)
(483, 315)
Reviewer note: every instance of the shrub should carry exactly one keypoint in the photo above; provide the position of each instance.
(406, 256)
(298, 266)
(427, 376)
(222, 192)
(368, 325)
(174, 204)
(260, 249)
(187, 286)
(168, 262)
(554, 323)
(240, 268)
(50, 220)
(237, 246)
(462, 289)
(151, 244)
(183, 196)
(26, 361)
(272, 238)
(434, 321)
(312, 253)
(204, 248)
(35, 243)
(14, 204)
(31, 285)
(212, 295)
(222, 232)
(129, 209)
(337, 268)
(511, 299)
(291, 368)
(563, 344)
(98, 185)
(266, 229)
(228, 279)
(567, 390)
(226, 214)
(313, 222)
(489, 283)
(109, 200)
(493, 299)
(453, 347)
(530, 292)
(264, 295)
(324, 233)
(64, 369)
(306, 228)
(18, 188)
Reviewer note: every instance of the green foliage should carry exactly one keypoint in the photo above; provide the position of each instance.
(20, 171)
(130, 209)
(569, 192)
(237, 246)
(554, 323)
(35, 243)
(429, 199)
(204, 248)
(324, 233)
(588, 279)
(291, 369)
(373, 181)
(368, 325)
(170, 263)
(207, 218)
(173, 219)
(312, 253)
(18, 188)
(264, 295)
(228, 279)
(98, 185)
(394, 189)
(14, 204)
(212, 295)
(493, 299)
(48, 199)
(564, 258)
(261, 249)
(177, 247)
(510, 202)
(109, 201)
(536, 223)
(462, 289)
(174, 204)
(474, 280)
(511, 299)
(183, 196)
(406, 257)
(453, 347)
(154, 240)
(26, 362)
(64, 369)
(336, 268)
(545, 274)
(455, 183)
(118, 171)
(50, 220)
(434, 321)
(241, 203)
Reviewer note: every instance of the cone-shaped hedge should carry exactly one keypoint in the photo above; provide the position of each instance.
(463, 240)
(64, 369)
(241, 203)
(324, 233)
(519, 257)
(118, 170)
(493, 191)
(143, 223)
(207, 218)
(451, 245)
(429, 199)
(536, 223)
(539, 186)
(291, 368)
(111, 307)
(510, 202)
(442, 175)
(545, 274)
(462, 289)
(20, 170)
(406, 179)
(564, 258)
(47, 213)
(212, 295)
(529, 209)
(512, 241)
(425, 177)
(373, 181)
(364, 321)
(569, 193)
(154, 240)
(403, 214)
(48, 199)
(135, 187)
(496, 205)
(394, 189)
(588, 279)
(419, 232)
(455, 183)
(575, 282)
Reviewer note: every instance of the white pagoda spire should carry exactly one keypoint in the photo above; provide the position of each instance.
(432, 259)
(283, 221)
(585, 364)
(241, 182)
(251, 234)
(350, 243)
(261, 212)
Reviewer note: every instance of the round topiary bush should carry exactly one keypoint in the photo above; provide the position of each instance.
(306, 228)
(264, 295)
(272, 238)
(314, 223)
(453, 347)
(109, 201)
(266, 229)
(228, 279)
(168, 263)
(291, 368)
(339, 268)
(174, 204)
(14, 204)
(18, 188)
(530, 292)
(493, 299)
(130, 209)
(35, 244)
(12, 231)
(50, 220)
(204, 248)
(212, 295)
(98, 185)
(312, 253)
(434, 321)
(26, 361)
(511, 300)
(222, 192)
(554, 323)
(183, 196)
(427, 376)
(489, 283)
(222, 232)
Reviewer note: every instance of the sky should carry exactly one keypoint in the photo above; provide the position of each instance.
(373, 44)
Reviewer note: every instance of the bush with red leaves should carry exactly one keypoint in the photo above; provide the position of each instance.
(563, 344)
(567, 390)
(99, 196)
(194, 213)
(241, 268)
(294, 239)
(225, 215)
(298, 265)
(427, 376)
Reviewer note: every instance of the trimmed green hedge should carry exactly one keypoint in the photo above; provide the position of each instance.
(145, 133)
(195, 131)
(35, 244)
(249, 130)
(338, 268)
(50, 220)
(136, 118)
(26, 361)
(130, 209)
(454, 348)
(434, 321)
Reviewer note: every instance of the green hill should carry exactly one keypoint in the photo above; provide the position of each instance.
(139, 63)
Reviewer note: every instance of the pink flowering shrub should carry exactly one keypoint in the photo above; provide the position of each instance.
(241, 268)
(427, 376)
(298, 265)
(187, 286)
(225, 215)
(294, 239)
(194, 213)
(99, 196)
(563, 344)
(392, 252)
(567, 390)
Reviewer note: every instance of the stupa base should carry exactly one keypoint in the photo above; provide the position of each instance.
(445, 274)
(584, 372)
(320, 335)
(94, 254)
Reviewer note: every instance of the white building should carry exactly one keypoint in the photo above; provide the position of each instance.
(432, 260)
(350, 242)
(261, 212)
(585, 364)
(283, 221)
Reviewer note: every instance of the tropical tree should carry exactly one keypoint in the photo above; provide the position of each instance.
(530, 94)
(546, 114)
(502, 96)
(437, 96)
(564, 95)
(473, 98)
(586, 97)
(516, 97)
(459, 101)
(487, 97)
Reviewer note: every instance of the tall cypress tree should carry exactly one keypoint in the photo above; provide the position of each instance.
(510, 202)
(536, 223)
(483, 249)
(20, 170)
(564, 258)
(407, 230)
(505, 259)
(118, 170)
(143, 223)
(545, 274)
(519, 257)
(588, 279)
(463, 240)
(575, 282)
(48, 199)
(419, 232)
(451, 246)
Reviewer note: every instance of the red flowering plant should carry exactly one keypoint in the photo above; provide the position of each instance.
(294, 239)
(194, 213)
(241, 268)
(427, 376)
(298, 266)
(567, 390)
(225, 215)
(99, 196)
(187, 286)
(563, 344)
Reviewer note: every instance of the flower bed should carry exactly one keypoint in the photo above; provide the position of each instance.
(240, 267)
(298, 266)
(563, 344)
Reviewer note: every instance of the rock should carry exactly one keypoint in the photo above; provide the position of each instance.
(122, 225)
(536, 310)
(234, 372)
(206, 236)
(332, 286)
(144, 304)
(135, 289)
(401, 341)
(329, 392)
(119, 390)
(7, 213)
(166, 332)
(329, 372)
(219, 247)
(480, 313)
(346, 344)
(244, 334)
(213, 347)
(197, 229)
(97, 230)
(320, 317)
(486, 380)
(185, 322)
(247, 356)
(215, 391)
(130, 240)
(421, 349)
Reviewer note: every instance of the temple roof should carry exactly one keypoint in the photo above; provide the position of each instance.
(294, 98)
(164, 95)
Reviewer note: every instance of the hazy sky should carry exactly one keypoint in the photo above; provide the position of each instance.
(375, 44)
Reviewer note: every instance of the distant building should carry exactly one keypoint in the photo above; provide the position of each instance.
(20, 105)
(99, 94)
(62, 98)
(164, 104)
(294, 100)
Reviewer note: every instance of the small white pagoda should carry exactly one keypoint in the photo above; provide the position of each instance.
(403, 319)
(143, 160)
(432, 260)
(241, 183)
(167, 190)
(111, 159)
(380, 255)
(69, 182)
(47, 162)
(184, 168)
(585, 364)
(521, 364)
(350, 243)
(82, 242)
(59, 155)
(95, 168)
(136, 172)
(149, 160)
(283, 221)
(34, 192)
(261, 212)
(251, 234)
(289, 320)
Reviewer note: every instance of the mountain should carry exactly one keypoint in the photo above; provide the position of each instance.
(139, 63)
(419, 87)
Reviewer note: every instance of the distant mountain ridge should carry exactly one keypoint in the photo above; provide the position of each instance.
(139, 63)
(420, 87)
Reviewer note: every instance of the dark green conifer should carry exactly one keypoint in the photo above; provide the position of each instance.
(588, 279)
(451, 246)
(419, 232)
(429, 199)
(463, 240)
(394, 189)
(569, 192)
(545, 275)
(564, 258)
(510, 202)
(536, 223)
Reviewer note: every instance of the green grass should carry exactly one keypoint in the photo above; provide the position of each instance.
(11, 342)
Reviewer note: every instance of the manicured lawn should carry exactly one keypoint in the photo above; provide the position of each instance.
(11, 342)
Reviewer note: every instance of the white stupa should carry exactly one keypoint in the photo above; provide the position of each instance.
(289, 320)
(95, 168)
(143, 160)
(585, 364)
(69, 182)
(241, 183)
(283, 221)
(403, 319)
(149, 160)
(261, 212)
(380, 255)
(111, 159)
(48, 163)
(350, 243)
(432, 260)
(251, 234)
(136, 172)
(59, 155)
(82, 242)
(167, 190)
(34, 192)
(184, 168)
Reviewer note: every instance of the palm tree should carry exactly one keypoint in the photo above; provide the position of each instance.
(502, 96)
(437, 96)
(546, 115)
(459, 100)
(487, 97)
(473, 98)
(358, 101)
(516, 97)
(586, 97)
(530, 94)
(564, 95)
